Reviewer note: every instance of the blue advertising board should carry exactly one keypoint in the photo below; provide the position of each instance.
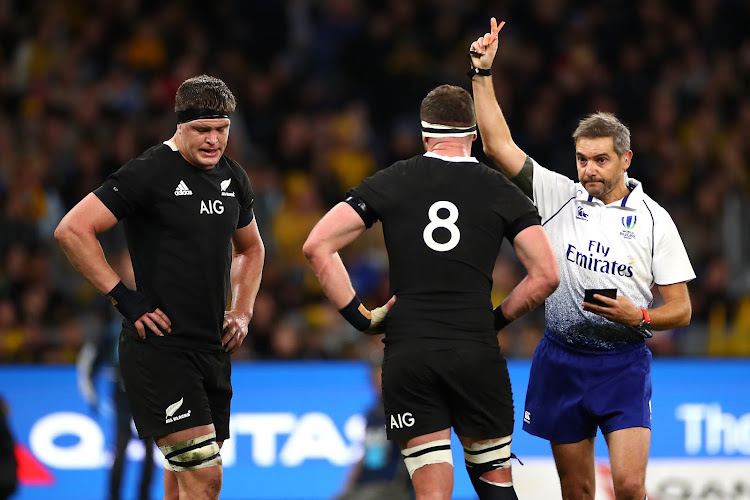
(297, 428)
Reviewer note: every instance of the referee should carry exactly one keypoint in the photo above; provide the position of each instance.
(614, 244)
(444, 217)
(187, 211)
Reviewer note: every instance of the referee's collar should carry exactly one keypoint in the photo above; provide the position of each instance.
(629, 201)
(454, 159)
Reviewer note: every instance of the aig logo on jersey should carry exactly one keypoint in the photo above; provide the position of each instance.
(401, 420)
(212, 207)
(628, 222)
(216, 207)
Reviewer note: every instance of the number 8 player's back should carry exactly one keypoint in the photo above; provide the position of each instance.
(444, 220)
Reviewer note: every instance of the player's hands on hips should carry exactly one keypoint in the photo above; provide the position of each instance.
(377, 325)
(235, 330)
(156, 321)
(620, 310)
(483, 50)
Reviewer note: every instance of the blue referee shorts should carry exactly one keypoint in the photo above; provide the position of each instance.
(572, 392)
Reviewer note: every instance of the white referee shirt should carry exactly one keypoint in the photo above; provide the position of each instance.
(630, 244)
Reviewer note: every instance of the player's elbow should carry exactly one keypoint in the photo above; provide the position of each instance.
(550, 279)
(65, 232)
(314, 251)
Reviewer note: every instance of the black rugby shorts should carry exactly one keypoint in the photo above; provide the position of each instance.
(465, 388)
(172, 390)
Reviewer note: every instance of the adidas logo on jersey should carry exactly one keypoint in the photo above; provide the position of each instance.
(182, 189)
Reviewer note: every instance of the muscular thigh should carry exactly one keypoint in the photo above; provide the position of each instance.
(172, 390)
(413, 402)
(468, 389)
(480, 394)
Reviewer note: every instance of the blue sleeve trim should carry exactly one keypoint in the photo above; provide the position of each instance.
(559, 210)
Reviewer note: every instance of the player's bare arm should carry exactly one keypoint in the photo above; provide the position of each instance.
(674, 313)
(534, 250)
(76, 234)
(496, 138)
(245, 275)
(339, 227)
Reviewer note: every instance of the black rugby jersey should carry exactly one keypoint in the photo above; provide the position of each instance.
(178, 221)
(444, 220)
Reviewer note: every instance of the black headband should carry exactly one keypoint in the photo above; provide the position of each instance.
(199, 114)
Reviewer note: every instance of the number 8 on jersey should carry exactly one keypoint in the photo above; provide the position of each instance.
(448, 223)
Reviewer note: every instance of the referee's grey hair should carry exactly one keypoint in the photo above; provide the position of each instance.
(205, 93)
(602, 124)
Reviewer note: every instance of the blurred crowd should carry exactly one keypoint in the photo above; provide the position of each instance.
(328, 92)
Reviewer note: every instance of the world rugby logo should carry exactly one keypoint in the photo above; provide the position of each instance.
(628, 222)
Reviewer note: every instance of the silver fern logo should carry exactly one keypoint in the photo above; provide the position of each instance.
(224, 186)
(172, 409)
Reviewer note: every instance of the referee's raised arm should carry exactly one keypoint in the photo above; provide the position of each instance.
(496, 138)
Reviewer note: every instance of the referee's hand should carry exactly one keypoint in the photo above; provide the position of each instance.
(235, 330)
(483, 50)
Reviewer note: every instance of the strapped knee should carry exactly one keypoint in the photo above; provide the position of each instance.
(192, 454)
(426, 454)
(481, 458)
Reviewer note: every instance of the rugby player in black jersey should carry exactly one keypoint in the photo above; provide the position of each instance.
(444, 217)
(187, 212)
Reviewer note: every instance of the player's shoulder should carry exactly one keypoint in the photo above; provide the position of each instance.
(398, 168)
(232, 164)
(491, 174)
(239, 175)
(491, 180)
(150, 163)
(158, 152)
(235, 168)
(155, 157)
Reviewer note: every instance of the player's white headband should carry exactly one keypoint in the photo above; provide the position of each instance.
(436, 130)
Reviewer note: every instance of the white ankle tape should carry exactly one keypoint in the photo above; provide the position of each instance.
(426, 454)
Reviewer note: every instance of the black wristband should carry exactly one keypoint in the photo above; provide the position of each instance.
(478, 71)
(131, 303)
(356, 314)
(473, 70)
(500, 320)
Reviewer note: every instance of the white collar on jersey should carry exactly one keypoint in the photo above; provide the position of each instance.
(454, 159)
(171, 145)
(635, 194)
